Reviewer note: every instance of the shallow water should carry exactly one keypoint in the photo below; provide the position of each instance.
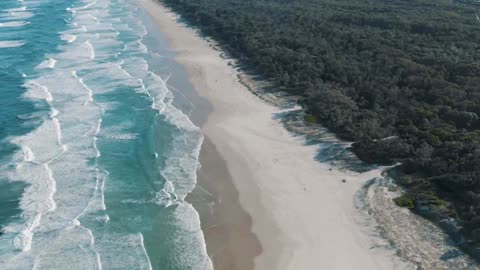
(97, 154)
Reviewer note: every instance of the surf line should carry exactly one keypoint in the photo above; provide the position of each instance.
(90, 49)
(24, 239)
(100, 173)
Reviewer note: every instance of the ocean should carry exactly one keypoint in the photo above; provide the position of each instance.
(97, 151)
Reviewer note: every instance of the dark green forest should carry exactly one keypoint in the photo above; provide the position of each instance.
(400, 78)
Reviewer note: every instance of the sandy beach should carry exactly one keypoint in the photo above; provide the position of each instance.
(276, 207)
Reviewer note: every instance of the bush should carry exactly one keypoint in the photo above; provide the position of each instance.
(406, 200)
(310, 119)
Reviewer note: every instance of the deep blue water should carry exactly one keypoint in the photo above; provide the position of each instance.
(96, 153)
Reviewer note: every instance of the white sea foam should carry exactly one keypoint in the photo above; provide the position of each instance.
(87, 5)
(101, 179)
(89, 91)
(23, 240)
(73, 11)
(52, 186)
(187, 221)
(58, 130)
(166, 196)
(20, 14)
(68, 38)
(49, 63)
(37, 91)
(104, 218)
(90, 49)
(27, 152)
(142, 245)
(37, 199)
(97, 130)
(11, 43)
(93, 17)
(136, 46)
(13, 24)
(125, 136)
(22, 8)
(133, 201)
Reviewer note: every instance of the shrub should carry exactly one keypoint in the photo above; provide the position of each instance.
(310, 119)
(405, 200)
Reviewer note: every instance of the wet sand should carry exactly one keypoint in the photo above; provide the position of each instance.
(226, 225)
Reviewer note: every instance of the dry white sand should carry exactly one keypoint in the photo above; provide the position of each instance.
(302, 214)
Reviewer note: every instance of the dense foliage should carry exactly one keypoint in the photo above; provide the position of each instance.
(401, 78)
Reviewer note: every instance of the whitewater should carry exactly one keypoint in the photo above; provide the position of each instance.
(96, 158)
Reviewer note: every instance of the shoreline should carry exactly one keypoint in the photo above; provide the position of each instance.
(226, 226)
(302, 214)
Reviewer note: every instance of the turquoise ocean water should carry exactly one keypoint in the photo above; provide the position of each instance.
(96, 152)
